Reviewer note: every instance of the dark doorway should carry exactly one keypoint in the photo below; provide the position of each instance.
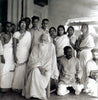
(3, 10)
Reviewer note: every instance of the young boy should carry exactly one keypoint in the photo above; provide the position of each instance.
(70, 73)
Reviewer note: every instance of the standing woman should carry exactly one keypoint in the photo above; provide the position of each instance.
(53, 34)
(84, 45)
(22, 42)
(7, 61)
(61, 40)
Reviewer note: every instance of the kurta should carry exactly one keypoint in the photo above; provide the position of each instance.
(7, 73)
(22, 53)
(69, 69)
(42, 56)
(35, 33)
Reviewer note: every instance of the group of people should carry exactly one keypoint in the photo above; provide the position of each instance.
(31, 56)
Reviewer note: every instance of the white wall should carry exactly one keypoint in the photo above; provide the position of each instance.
(61, 10)
(29, 10)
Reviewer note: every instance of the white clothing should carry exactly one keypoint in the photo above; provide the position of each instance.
(6, 74)
(62, 88)
(22, 54)
(61, 42)
(86, 54)
(42, 56)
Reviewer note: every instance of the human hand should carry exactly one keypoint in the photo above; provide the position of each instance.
(42, 70)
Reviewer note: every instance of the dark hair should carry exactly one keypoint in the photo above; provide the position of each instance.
(27, 20)
(52, 28)
(84, 24)
(60, 26)
(35, 17)
(45, 19)
(69, 28)
(4, 26)
(22, 20)
(66, 48)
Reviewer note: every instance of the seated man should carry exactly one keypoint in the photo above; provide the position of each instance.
(70, 73)
(41, 67)
(91, 87)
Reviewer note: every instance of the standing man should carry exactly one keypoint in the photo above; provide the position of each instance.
(44, 27)
(35, 32)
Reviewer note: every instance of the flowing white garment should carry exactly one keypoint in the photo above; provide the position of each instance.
(92, 85)
(86, 54)
(36, 83)
(22, 55)
(6, 75)
(61, 42)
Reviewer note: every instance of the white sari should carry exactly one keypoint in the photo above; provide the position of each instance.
(22, 53)
(7, 73)
(41, 56)
(61, 42)
(86, 54)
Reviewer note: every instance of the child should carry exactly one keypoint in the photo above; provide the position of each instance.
(70, 73)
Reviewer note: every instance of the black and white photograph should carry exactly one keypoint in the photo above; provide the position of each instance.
(48, 49)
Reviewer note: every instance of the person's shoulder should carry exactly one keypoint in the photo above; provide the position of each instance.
(63, 57)
(75, 59)
(16, 34)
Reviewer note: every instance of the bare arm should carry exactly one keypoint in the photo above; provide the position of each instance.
(15, 41)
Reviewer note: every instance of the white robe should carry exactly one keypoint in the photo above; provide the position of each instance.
(61, 42)
(86, 54)
(6, 74)
(91, 84)
(36, 83)
(22, 54)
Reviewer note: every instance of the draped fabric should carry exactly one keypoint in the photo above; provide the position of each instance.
(61, 42)
(42, 56)
(86, 54)
(91, 84)
(22, 53)
(6, 73)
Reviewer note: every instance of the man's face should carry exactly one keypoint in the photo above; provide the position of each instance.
(36, 23)
(44, 39)
(68, 53)
(8, 27)
(45, 24)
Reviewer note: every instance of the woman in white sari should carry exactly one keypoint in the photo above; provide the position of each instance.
(22, 42)
(41, 66)
(84, 45)
(7, 61)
